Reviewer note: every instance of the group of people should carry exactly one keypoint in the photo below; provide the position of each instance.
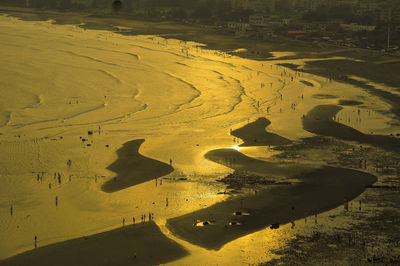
(143, 218)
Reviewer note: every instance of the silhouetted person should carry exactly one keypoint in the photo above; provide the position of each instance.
(170, 162)
(11, 210)
(35, 241)
(166, 202)
(49, 185)
(133, 220)
(123, 222)
(69, 162)
(56, 201)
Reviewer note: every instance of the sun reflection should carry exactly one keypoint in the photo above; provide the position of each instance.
(236, 147)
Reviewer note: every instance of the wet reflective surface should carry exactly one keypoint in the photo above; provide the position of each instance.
(100, 130)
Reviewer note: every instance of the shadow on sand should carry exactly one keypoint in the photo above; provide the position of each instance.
(320, 121)
(116, 247)
(254, 134)
(132, 168)
(318, 190)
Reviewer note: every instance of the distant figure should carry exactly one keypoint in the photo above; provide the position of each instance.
(166, 202)
(123, 222)
(38, 177)
(149, 216)
(56, 201)
(156, 182)
(49, 185)
(360, 206)
(316, 218)
(346, 205)
(99, 130)
(160, 182)
(133, 220)
(11, 210)
(59, 178)
(170, 162)
(35, 241)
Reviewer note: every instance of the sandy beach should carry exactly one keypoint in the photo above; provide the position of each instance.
(124, 246)
(237, 157)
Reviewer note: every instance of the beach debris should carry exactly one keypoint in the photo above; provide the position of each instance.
(274, 226)
(234, 223)
(239, 213)
(199, 223)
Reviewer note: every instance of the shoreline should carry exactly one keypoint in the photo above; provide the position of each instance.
(248, 134)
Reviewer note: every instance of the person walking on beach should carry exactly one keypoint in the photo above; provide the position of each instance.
(133, 220)
(123, 221)
(35, 241)
(170, 162)
(11, 210)
(166, 202)
(56, 201)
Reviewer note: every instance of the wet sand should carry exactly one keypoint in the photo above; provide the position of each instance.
(116, 247)
(132, 168)
(255, 134)
(320, 120)
(311, 189)
(320, 190)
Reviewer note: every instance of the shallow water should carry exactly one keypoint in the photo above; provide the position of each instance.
(60, 81)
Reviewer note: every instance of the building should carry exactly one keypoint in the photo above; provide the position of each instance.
(238, 26)
(258, 20)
